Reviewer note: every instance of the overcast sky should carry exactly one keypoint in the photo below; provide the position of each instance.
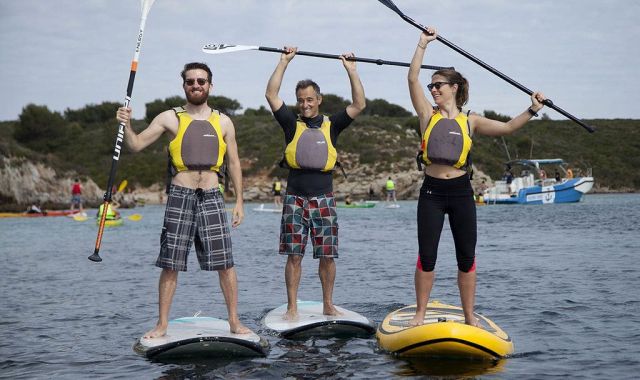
(583, 54)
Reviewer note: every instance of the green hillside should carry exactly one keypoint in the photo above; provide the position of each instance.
(82, 141)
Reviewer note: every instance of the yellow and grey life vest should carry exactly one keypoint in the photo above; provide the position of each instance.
(311, 148)
(198, 145)
(447, 141)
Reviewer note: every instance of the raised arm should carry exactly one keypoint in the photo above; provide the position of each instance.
(137, 142)
(491, 127)
(423, 107)
(358, 101)
(229, 134)
(273, 86)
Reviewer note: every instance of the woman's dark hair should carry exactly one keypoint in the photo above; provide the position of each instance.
(454, 77)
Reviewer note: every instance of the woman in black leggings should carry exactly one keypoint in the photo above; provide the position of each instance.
(446, 141)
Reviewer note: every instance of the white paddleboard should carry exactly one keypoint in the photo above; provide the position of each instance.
(198, 337)
(267, 209)
(311, 322)
(393, 205)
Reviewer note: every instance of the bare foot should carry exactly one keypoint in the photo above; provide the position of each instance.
(416, 321)
(473, 322)
(290, 315)
(330, 310)
(157, 332)
(236, 327)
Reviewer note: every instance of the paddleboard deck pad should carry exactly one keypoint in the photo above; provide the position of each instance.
(267, 209)
(312, 322)
(443, 334)
(201, 337)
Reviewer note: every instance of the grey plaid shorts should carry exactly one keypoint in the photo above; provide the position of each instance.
(195, 216)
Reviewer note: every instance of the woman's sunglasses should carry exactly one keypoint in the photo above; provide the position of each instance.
(436, 85)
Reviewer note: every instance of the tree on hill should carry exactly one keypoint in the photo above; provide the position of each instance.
(262, 111)
(93, 113)
(382, 108)
(40, 129)
(332, 104)
(493, 115)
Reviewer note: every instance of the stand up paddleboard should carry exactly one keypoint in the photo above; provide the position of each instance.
(311, 322)
(443, 334)
(201, 337)
(267, 209)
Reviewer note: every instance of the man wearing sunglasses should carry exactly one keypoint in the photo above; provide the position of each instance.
(195, 213)
(309, 204)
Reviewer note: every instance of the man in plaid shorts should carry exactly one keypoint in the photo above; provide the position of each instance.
(200, 137)
(310, 155)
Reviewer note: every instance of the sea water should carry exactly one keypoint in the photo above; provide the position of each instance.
(561, 280)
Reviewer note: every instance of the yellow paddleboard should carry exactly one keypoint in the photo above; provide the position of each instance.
(443, 334)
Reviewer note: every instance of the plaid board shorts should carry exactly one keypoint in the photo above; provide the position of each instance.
(302, 215)
(195, 216)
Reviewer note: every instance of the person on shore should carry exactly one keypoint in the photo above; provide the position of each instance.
(310, 155)
(276, 190)
(34, 209)
(347, 200)
(447, 188)
(76, 196)
(390, 186)
(195, 212)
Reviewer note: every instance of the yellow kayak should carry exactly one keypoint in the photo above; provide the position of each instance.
(443, 334)
(111, 222)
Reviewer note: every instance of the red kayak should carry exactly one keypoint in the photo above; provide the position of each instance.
(38, 214)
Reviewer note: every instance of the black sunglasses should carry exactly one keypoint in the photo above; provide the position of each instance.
(437, 85)
(191, 82)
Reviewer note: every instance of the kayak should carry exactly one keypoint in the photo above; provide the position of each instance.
(38, 214)
(356, 205)
(111, 222)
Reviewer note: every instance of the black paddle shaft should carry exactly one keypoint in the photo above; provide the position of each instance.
(448, 43)
(357, 59)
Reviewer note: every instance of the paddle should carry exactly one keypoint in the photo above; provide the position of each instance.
(389, 4)
(80, 217)
(122, 186)
(132, 217)
(224, 48)
(146, 6)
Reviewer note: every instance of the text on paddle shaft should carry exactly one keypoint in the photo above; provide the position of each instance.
(119, 138)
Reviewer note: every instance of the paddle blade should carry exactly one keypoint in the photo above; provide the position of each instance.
(134, 217)
(145, 5)
(80, 217)
(224, 48)
(389, 4)
(122, 186)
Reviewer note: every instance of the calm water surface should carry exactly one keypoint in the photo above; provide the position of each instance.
(562, 280)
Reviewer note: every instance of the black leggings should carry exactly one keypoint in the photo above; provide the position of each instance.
(447, 196)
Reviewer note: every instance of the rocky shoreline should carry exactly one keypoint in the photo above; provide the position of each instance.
(23, 183)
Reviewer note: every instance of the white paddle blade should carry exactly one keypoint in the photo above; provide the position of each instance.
(145, 5)
(224, 48)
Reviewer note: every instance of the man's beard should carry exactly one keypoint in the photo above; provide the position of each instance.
(197, 100)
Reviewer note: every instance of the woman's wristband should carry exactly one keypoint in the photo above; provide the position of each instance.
(532, 112)
(423, 47)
